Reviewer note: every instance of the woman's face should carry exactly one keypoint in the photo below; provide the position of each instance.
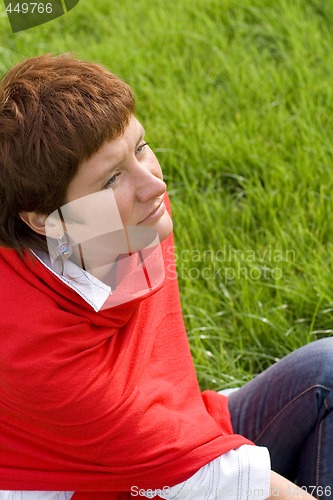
(129, 167)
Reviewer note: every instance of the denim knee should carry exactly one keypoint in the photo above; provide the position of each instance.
(318, 357)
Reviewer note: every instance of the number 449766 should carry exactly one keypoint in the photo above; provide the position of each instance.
(29, 8)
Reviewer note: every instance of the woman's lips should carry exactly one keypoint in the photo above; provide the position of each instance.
(155, 214)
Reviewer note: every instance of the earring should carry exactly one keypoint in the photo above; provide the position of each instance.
(64, 247)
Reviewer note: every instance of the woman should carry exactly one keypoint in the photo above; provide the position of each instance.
(99, 397)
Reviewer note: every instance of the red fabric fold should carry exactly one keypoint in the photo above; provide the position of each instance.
(99, 402)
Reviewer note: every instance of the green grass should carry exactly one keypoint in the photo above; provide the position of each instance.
(237, 99)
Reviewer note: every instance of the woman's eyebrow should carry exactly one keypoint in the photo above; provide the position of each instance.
(113, 166)
(143, 133)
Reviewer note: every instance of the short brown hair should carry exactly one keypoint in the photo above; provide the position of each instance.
(55, 112)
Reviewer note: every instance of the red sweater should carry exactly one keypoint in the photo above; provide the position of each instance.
(99, 402)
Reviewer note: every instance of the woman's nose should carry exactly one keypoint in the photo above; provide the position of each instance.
(150, 184)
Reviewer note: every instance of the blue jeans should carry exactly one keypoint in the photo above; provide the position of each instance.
(287, 408)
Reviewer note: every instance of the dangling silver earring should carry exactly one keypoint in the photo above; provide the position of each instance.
(64, 247)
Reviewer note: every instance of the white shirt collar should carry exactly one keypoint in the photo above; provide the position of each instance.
(91, 289)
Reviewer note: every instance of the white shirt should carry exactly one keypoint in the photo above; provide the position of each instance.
(236, 475)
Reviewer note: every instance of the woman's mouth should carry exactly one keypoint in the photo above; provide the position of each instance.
(154, 215)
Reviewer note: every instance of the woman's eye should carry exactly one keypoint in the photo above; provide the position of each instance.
(141, 148)
(110, 182)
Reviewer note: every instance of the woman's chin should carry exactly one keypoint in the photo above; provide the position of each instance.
(164, 226)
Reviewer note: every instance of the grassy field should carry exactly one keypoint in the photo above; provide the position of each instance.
(237, 101)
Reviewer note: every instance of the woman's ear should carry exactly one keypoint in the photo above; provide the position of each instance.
(35, 221)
